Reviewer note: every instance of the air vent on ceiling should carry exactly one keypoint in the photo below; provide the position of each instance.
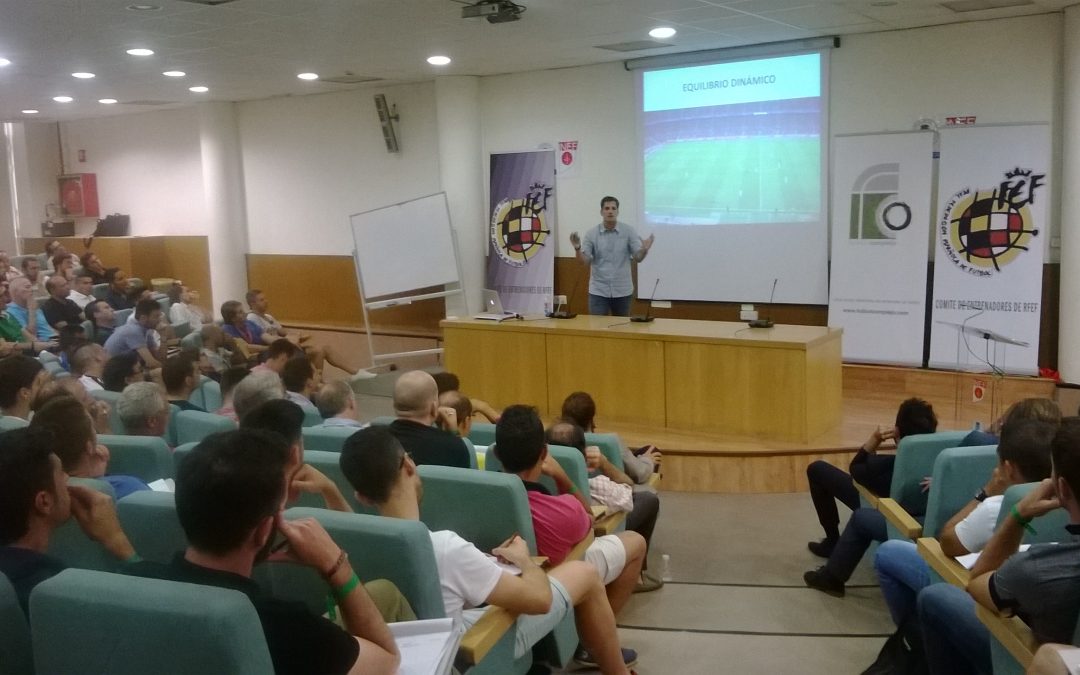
(350, 78)
(634, 46)
(147, 102)
(980, 5)
(208, 3)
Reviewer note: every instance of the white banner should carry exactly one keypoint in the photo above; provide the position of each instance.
(993, 193)
(881, 186)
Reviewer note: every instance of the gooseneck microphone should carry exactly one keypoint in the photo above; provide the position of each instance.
(766, 322)
(637, 318)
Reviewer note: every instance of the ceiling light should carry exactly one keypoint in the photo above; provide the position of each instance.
(143, 8)
(199, 90)
(107, 101)
(438, 60)
(174, 73)
(662, 32)
(139, 51)
(4, 62)
(308, 76)
(62, 99)
(30, 111)
(83, 76)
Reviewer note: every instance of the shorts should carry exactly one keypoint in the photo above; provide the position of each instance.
(531, 628)
(608, 555)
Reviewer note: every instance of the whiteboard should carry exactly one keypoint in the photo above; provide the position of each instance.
(404, 247)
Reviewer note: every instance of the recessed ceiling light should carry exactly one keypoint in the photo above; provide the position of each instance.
(83, 76)
(662, 32)
(199, 90)
(308, 76)
(62, 99)
(438, 60)
(143, 8)
(139, 51)
(4, 62)
(107, 101)
(30, 111)
(174, 73)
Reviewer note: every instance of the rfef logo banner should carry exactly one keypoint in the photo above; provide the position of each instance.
(521, 226)
(880, 225)
(993, 193)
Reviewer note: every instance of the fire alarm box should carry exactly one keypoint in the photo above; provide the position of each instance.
(78, 194)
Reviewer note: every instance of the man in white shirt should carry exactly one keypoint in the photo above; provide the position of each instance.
(337, 404)
(82, 289)
(383, 475)
(88, 364)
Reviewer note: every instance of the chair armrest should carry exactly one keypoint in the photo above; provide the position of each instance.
(484, 634)
(1013, 634)
(871, 498)
(608, 523)
(654, 481)
(950, 570)
(578, 552)
(900, 519)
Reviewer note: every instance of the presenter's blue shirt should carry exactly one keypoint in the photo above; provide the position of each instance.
(609, 253)
(45, 332)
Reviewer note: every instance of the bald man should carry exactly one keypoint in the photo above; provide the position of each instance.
(428, 432)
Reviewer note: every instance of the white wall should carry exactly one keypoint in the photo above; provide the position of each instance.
(311, 161)
(148, 166)
(37, 164)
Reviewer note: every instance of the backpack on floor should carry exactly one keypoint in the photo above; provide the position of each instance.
(902, 653)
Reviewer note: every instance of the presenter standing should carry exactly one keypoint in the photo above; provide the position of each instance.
(608, 248)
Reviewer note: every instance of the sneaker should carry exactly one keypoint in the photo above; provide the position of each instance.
(362, 375)
(823, 548)
(585, 658)
(648, 582)
(821, 580)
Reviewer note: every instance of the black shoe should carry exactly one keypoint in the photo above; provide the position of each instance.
(821, 580)
(585, 658)
(823, 548)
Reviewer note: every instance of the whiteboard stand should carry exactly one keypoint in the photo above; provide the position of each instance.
(400, 251)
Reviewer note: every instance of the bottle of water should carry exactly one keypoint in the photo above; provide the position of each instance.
(665, 567)
(978, 426)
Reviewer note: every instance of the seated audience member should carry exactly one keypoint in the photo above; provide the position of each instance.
(57, 255)
(280, 352)
(24, 309)
(68, 386)
(88, 365)
(229, 379)
(31, 271)
(35, 499)
(21, 378)
(62, 266)
(828, 484)
(383, 476)
(75, 443)
(7, 270)
(449, 382)
(286, 419)
(1040, 585)
(143, 409)
(561, 521)
(136, 337)
(104, 319)
(337, 405)
(257, 388)
(235, 325)
(1023, 457)
(82, 290)
(181, 310)
(92, 264)
(14, 338)
(120, 371)
(867, 525)
(70, 338)
(214, 357)
(416, 404)
(230, 492)
(614, 489)
(580, 408)
(272, 329)
(462, 407)
(58, 310)
(298, 376)
(117, 293)
(180, 375)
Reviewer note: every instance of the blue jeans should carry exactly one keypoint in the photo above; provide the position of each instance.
(601, 306)
(863, 528)
(955, 641)
(902, 573)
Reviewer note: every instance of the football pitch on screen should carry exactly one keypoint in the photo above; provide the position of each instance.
(734, 180)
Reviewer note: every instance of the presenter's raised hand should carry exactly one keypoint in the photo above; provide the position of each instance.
(647, 243)
(575, 239)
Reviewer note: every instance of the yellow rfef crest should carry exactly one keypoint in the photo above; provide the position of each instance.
(518, 230)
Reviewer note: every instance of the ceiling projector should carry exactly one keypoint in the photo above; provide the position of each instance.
(495, 11)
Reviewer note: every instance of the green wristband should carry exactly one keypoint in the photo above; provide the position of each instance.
(343, 592)
(1023, 522)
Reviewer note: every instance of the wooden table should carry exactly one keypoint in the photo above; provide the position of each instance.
(779, 383)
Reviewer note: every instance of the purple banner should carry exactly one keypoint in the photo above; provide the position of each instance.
(521, 230)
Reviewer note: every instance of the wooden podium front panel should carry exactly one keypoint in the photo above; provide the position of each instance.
(499, 366)
(824, 388)
(625, 376)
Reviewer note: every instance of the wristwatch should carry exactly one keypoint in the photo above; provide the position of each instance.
(981, 496)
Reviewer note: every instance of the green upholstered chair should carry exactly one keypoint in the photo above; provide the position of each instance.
(207, 395)
(99, 291)
(329, 463)
(482, 433)
(149, 519)
(9, 422)
(16, 653)
(180, 452)
(70, 544)
(93, 622)
(312, 417)
(120, 316)
(609, 444)
(383, 420)
(570, 459)
(1049, 528)
(915, 456)
(192, 342)
(193, 425)
(959, 474)
(328, 439)
(180, 329)
(145, 457)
